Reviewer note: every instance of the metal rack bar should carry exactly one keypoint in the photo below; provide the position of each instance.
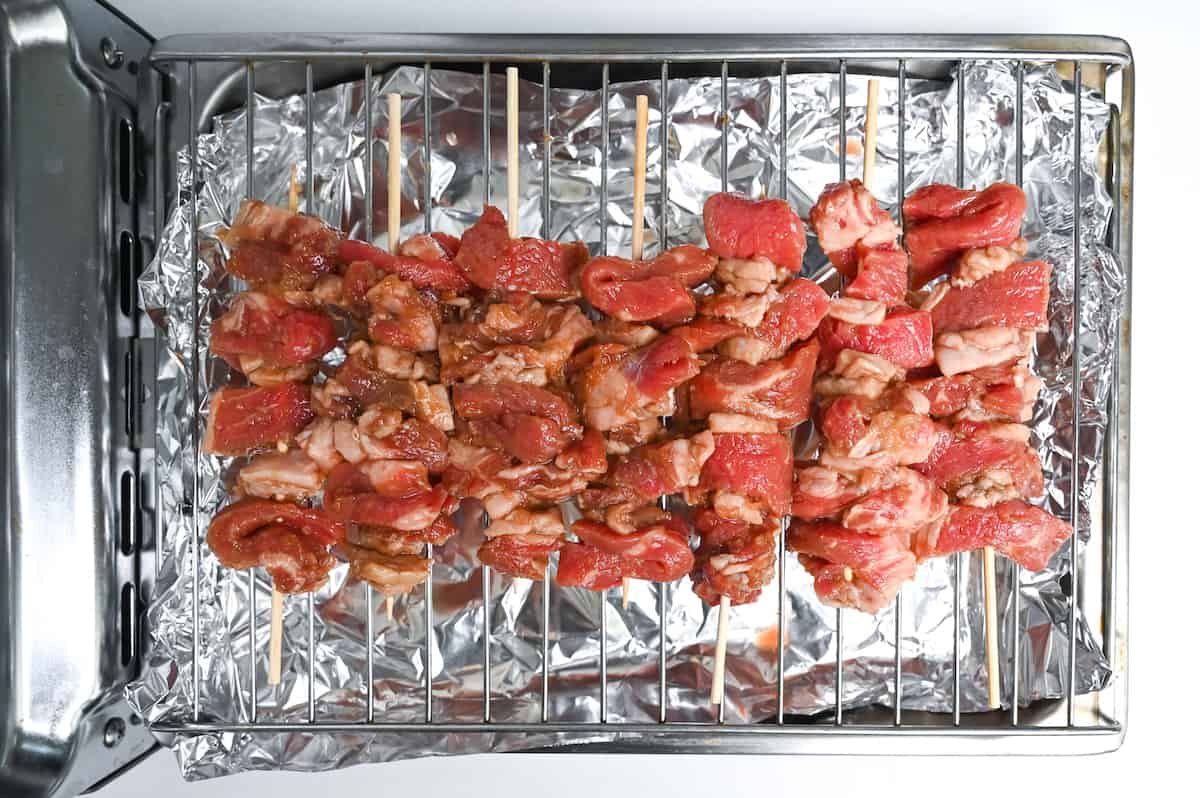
(369, 138)
(545, 648)
(1015, 624)
(368, 235)
(1076, 389)
(1113, 453)
(683, 728)
(312, 665)
(193, 164)
(604, 159)
(664, 147)
(838, 677)
(308, 138)
(251, 573)
(369, 597)
(724, 125)
(546, 149)
(486, 142)
(427, 145)
(781, 555)
(617, 48)
(250, 130)
(724, 187)
(604, 133)
(959, 172)
(427, 156)
(901, 130)
(312, 607)
(546, 234)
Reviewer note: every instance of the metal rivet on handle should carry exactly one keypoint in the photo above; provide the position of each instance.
(114, 732)
(113, 55)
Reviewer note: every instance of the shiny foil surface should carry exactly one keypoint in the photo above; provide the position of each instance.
(454, 176)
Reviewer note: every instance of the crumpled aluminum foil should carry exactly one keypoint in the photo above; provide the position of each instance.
(456, 171)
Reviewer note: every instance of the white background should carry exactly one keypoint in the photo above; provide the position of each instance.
(1159, 747)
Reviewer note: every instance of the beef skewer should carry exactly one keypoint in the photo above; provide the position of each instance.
(854, 510)
(639, 211)
(626, 384)
(983, 321)
(521, 448)
(988, 286)
(750, 395)
(395, 445)
(395, 195)
(276, 345)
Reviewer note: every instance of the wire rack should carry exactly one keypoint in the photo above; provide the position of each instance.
(1101, 63)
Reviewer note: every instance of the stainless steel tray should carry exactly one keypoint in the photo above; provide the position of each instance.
(194, 77)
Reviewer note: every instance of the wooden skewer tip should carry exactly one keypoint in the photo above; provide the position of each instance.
(514, 151)
(395, 183)
(718, 678)
(870, 133)
(642, 108)
(991, 638)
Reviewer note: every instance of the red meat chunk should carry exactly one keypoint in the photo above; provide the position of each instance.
(820, 492)
(739, 227)
(512, 554)
(494, 261)
(290, 541)
(278, 251)
(756, 467)
(262, 332)
(386, 493)
(792, 317)
(852, 569)
(905, 338)
(882, 274)
(1015, 297)
(1023, 533)
(241, 420)
(941, 222)
(530, 423)
(994, 393)
(651, 471)
(778, 390)
(735, 559)
(852, 428)
(982, 463)
(437, 271)
(654, 290)
(617, 385)
(603, 557)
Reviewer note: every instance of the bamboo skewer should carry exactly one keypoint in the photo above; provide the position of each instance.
(718, 680)
(395, 189)
(642, 124)
(275, 648)
(294, 193)
(990, 632)
(991, 637)
(513, 175)
(514, 153)
(395, 176)
(639, 175)
(870, 134)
